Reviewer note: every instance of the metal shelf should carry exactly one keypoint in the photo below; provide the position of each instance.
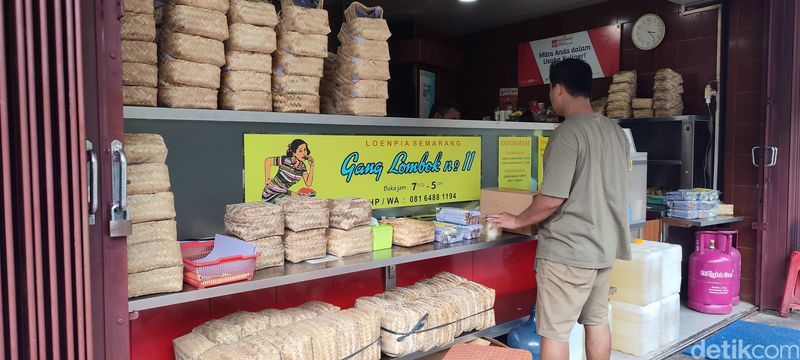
(719, 220)
(155, 113)
(295, 273)
(665, 162)
(680, 118)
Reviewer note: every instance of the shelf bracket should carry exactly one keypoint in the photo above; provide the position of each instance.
(390, 276)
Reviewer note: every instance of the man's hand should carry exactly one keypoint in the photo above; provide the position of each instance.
(503, 220)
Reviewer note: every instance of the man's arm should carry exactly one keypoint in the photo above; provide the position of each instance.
(541, 208)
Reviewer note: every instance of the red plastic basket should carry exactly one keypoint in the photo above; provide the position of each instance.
(221, 271)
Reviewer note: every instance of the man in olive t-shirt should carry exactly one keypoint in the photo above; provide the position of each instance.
(583, 210)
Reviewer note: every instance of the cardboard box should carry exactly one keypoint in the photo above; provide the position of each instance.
(382, 237)
(495, 201)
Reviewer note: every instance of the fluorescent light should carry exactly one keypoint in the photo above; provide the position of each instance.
(467, 1)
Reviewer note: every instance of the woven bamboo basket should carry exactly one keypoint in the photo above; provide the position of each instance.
(667, 104)
(350, 242)
(348, 213)
(630, 89)
(307, 219)
(439, 315)
(361, 107)
(293, 84)
(155, 281)
(666, 95)
(628, 77)
(148, 178)
(187, 73)
(295, 103)
(245, 37)
(139, 95)
(345, 330)
(186, 97)
(153, 255)
(145, 148)
(245, 100)
(220, 331)
(288, 64)
(138, 27)
(193, 48)
(190, 346)
(277, 318)
(363, 48)
(327, 105)
(324, 338)
(300, 204)
(401, 320)
(642, 103)
(313, 45)
(487, 296)
(257, 348)
(272, 251)
(197, 21)
(305, 20)
(668, 74)
(376, 89)
(320, 308)
(144, 52)
(669, 112)
(151, 207)
(619, 96)
(668, 86)
(370, 29)
(619, 114)
(369, 327)
(259, 13)
(410, 232)
(246, 81)
(153, 231)
(248, 61)
(216, 5)
(299, 314)
(253, 221)
(305, 245)
(136, 74)
(250, 323)
(618, 106)
(362, 69)
(138, 6)
(291, 344)
(643, 113)
(357, 10)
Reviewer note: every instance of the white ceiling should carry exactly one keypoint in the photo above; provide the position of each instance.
(458, 18)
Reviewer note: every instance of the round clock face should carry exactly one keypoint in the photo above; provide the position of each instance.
(648, 31)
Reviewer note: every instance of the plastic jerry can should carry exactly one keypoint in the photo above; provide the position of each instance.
(636, 329)
(639, 280)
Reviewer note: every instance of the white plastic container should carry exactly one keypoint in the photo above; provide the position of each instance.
(670, 319)
(637, 188)
(638, 281)
(671, 259)
(635, 329)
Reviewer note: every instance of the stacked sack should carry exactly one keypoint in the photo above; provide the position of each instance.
(668, 93)
(246, 80)
(349, 232)
(430, 313)
(155, 264)
(139, 70)
(361, 78)
(307, 221)
(620, 94)
(302, 47)
(642, 108)
(261, 224)
(314, 330)
(191, 53)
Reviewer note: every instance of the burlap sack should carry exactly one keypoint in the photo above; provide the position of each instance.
(145, 148)
(293, 84)
(136, 74)
(245, 100)
(361, 69)
(138, 27)
(155, 281)
(196, 21)
(248, 61)
(260, 13)
(191, 346)
(153, 255)
(305, 20)
(186, 97)
(363, 48)
(138, 6)
(153, 231)
(147, 178)
(642, 103)
(627, 77)
(145, 52)
(216, 5)
(349, 242)
(288, 64)
(410, 232)
(298, 103)
(253, 221)
(643, 113)
(246, 81)
(193, 48)
(619, 97)
(245, 37)
(151, 207)
(305, 245)
(139, 96)
(300, 44)
(220, 331)
(272, 252)
(187, 73)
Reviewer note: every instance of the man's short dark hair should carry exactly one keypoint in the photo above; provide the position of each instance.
(442, 107)
(574, 74)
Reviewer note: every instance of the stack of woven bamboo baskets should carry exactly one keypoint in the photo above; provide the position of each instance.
(155, 264)
(349, 232)
(621, 94)
(307, 221)
(668, 93)
(359, 84)
(246, 80)
(139, 71)
(303, 44)
(191, 53)
(261, 224)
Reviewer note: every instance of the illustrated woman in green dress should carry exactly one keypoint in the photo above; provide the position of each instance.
(291, 169)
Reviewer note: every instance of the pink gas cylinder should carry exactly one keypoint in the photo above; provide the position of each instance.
(711, 277)
(731, 239)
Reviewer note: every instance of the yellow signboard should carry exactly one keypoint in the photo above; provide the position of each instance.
(542, 147)
(514, 163)
(390, 171)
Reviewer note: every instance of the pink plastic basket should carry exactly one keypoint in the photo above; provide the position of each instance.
(221, 271)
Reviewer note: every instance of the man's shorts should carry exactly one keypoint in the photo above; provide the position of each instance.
(566, 294)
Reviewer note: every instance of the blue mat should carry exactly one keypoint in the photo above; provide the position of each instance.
(747, 340)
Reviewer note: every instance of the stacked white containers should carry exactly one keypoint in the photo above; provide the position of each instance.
(302, 46)
(139, 71)
(646, 306)
(246, 78)
(191, 53)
